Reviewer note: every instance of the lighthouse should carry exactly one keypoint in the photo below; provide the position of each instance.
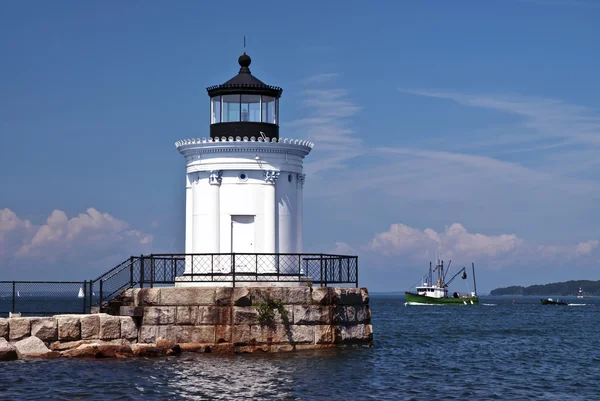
(244, 183)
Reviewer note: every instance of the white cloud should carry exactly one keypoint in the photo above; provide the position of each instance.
(91, 236)
(457, 243)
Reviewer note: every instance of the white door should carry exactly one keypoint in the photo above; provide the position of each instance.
(242, 242)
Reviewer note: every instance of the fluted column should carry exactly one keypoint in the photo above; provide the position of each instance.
(270, 209)
(214, 216)
(189, 210)
(299, 206)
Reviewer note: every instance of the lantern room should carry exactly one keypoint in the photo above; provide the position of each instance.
(244, 106)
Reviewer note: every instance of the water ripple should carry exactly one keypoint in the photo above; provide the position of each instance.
(510, 351)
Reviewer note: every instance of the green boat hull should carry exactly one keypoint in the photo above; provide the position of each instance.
(415, 299)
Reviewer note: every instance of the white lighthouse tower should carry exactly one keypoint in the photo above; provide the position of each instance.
(243, 184)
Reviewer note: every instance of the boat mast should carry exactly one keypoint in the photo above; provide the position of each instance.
(474, 282)
(430, 278)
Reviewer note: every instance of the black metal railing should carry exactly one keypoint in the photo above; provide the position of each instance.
(52, 297)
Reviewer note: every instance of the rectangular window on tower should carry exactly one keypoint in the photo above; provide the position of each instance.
(215, 110)
(268, 110)
(251, 108)
(231, 108)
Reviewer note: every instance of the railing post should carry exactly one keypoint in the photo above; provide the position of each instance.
(356, 271)
(233, 268)
(91, 294)
(256, 267)
(13, 296)
(299, 267)
(101, 296)
(84, 294)
(131, 271)
(142, 271)
(278, 270)
(152, 273)
(322, 276)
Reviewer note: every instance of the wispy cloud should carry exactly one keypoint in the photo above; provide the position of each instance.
(329, 124)
(546, 125)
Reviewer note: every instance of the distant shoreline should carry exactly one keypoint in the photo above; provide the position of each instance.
(563, 289)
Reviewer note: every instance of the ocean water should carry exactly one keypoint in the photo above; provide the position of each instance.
(499, 350)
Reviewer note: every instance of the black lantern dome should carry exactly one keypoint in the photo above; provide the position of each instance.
(244, 106)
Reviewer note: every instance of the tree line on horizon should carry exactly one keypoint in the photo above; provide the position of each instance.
(566, 288)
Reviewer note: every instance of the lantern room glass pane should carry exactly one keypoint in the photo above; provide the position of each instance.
(251, 108)
(268, 110)
(231, 108)
(215, 110)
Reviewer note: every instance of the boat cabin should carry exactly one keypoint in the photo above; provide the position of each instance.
(432, 291)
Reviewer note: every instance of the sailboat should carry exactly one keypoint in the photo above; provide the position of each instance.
(81, 294)
(580, 293)
(431, 293)
(18, 293)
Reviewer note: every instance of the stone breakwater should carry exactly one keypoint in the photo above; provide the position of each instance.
(164, 321)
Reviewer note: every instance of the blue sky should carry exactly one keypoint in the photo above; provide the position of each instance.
(466, 128)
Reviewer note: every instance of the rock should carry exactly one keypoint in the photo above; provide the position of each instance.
(69, 328)
(214, 315)
(311, 314)
(90, 327)
(187, 314)
(358, 333)
(245, 315)
(241, 296)
(148, 334)
(31, 347)
(174, 350)
(241, 335)
(110, 327)
(297, 296)
(347, 296)
(222, 334)
(157, 315)
(191, 347)
(99, 350)
(147, 297)
(223, 296)
(4, 328)
(58, 346)
(129, 330)
(45, 328)
(8, 352)
(19, 328)
(324, 334)
(184, 296)
(281, 334)
(365, 295)
(147, 350)
(321, 295)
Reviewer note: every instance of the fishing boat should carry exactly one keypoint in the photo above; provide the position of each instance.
(580, 293)
(437, 294)
(550, 301)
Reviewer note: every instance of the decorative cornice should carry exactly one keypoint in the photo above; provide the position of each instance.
(271, 176)
(198, 141)
(301, 178)
(215, 177)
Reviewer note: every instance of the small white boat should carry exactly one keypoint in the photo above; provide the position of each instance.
(81, 294)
